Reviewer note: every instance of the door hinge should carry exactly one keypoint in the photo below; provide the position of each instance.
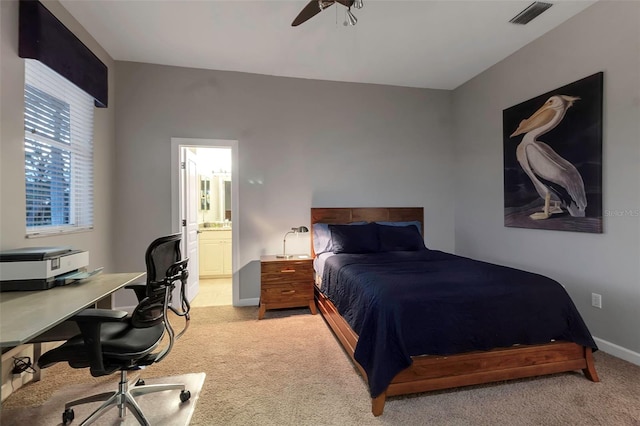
(184, 222)
(183, 165)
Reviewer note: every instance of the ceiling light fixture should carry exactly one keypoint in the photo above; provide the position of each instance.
(323, 4)
(316, 6)
(349, 19)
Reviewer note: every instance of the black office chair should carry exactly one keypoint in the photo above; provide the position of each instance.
(112, 340)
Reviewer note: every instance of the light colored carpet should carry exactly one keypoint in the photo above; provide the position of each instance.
(288, 369)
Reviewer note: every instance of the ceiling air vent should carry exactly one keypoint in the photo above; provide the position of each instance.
(531, 12)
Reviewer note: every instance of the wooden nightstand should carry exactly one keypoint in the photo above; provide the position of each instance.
(285, 283)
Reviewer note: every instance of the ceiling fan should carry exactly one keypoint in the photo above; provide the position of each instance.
(316, 6)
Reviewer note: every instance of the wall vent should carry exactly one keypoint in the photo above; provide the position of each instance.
(531, 12)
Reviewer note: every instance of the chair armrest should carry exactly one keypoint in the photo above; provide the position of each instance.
(139, 288)
(89, 322)
(99, 316)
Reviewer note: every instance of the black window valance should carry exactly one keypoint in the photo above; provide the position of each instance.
(45, 38)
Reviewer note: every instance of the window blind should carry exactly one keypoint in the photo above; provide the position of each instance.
(58, 121)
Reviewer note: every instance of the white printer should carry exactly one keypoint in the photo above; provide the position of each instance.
(39, 268)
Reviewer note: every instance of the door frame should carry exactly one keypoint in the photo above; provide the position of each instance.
(177, 197)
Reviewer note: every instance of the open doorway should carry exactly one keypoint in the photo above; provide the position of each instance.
(214, 226)
(206, 210)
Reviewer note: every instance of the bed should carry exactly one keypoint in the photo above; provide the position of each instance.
(403, 342)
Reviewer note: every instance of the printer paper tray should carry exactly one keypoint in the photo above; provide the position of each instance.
(76, 276)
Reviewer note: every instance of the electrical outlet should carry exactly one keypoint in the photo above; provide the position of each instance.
(596, 300)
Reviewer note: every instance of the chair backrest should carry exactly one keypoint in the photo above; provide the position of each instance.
(163, 270)
(161, 254)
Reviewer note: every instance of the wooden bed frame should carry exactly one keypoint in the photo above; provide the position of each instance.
(431, 372)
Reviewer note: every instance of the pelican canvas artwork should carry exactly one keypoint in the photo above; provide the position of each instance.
(553, 159)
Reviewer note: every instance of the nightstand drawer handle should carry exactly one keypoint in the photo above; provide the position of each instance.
(290, 271)
(287, 291)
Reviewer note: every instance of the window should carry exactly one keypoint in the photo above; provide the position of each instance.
(58, 144)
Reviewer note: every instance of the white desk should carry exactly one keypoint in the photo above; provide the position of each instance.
(26, 314)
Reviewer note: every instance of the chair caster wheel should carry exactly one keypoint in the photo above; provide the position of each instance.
(68, 416)
(140, 382)
(185, 395)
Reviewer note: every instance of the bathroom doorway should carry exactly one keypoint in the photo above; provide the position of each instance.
(209, 221)
(214, 226)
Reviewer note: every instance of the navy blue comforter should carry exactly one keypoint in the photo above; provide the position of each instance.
(403, 304)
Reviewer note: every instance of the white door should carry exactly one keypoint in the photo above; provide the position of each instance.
(190, 228)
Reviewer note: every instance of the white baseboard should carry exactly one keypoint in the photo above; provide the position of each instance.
(618, 351)
(255, 301)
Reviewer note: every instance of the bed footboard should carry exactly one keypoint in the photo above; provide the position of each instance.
(430, 372)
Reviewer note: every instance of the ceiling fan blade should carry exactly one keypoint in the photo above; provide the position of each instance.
(310, 10)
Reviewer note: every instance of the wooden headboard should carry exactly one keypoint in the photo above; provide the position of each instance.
(341, 215)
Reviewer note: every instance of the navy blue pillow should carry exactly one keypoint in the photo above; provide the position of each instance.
(355, 239)
(322, 237)
(400, 238)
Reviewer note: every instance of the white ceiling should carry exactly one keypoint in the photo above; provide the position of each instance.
(428, 44)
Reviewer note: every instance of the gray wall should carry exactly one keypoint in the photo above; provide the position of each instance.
(301, 143)
(605, 37)
(12, 187)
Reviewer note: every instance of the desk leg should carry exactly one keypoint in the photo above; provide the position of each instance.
(105, 303)
(37, 351)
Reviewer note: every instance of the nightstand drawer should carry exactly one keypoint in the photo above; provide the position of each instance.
(289, 272)
(286, 292)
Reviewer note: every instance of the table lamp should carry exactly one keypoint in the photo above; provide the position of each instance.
(284, 255)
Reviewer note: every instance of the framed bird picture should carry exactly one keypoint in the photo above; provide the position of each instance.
(553, 159)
